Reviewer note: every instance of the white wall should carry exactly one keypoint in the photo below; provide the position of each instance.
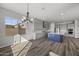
(4, 40)
(76, 28)
(29, 27)
(34, 30)
(38, 28)
(52, 27)
(29, 31)
(38, 25)
(63, 29)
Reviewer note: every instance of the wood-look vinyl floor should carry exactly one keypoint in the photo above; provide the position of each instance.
(41, 47)
(68, 47)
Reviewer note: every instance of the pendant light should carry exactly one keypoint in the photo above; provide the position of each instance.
(26, 18)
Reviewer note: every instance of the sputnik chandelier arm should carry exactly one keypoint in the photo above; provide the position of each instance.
(26, 18)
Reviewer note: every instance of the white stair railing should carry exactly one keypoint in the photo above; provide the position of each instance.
(18, 39)
(20, 43)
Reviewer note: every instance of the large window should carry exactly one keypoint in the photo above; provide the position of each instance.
(13, 26)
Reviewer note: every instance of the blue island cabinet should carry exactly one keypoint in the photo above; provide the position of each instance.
(55, 37)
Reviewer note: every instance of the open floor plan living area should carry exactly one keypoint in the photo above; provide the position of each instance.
(39, 29)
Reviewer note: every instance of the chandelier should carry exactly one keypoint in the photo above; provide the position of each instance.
(27, 18)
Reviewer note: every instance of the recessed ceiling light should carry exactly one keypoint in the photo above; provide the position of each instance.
(62, 14)
(43, 8)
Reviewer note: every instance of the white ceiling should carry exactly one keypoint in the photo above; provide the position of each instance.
(46, 11)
